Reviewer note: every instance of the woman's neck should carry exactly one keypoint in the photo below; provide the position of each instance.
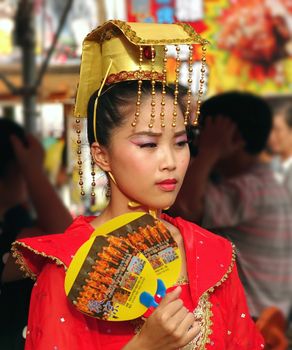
(119, 205)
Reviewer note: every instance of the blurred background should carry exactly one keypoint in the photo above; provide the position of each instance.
(40, 47)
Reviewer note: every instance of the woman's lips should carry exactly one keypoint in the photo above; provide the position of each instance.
(167, 185)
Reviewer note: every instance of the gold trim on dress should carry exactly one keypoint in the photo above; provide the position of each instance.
(182, 281)
(20, 260)
(203, 312)
(204, 309)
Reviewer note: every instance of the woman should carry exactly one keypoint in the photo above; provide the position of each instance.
(146, 166)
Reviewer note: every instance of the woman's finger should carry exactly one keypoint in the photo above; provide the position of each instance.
(171, 296)
(186, 324)
(190, 334)
(170, 310)
(180, 316)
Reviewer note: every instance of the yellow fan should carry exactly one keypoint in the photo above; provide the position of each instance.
(123, 258)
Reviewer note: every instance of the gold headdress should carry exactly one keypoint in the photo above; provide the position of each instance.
(119, 51)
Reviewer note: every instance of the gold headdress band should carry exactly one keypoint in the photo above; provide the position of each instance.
(119, 51)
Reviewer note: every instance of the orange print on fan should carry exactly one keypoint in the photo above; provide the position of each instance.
(100, 277)
(163, 230)
(137, 240)
(103, 266)
(155, 234)
(82, 305)
(107, 257)
(113, 252)
(119, 243)
(89, 293)
(143, 231)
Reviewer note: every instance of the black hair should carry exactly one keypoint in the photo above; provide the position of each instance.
(251, 114)
(112, 105)
(7, 155)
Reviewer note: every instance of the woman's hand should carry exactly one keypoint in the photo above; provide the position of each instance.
(220, 138)
(52, 214)
(171, 326)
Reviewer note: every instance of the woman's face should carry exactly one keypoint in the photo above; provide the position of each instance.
(280, 141)
(149, 164)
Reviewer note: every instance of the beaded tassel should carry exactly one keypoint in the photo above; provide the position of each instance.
(201, 85)
(79, 158)
(153, 102)
(190, 80)
(174, 113)
(163, 92)
(139, 93)
(93, 183)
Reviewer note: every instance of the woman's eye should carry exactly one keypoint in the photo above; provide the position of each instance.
(182, 143)
(148, 145)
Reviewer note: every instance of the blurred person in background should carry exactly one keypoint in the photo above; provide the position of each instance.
(29, 206)
(229, 190)
(280, 143)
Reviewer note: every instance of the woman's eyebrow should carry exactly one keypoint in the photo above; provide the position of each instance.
(151, 133)
(179, 133)
(146, 133)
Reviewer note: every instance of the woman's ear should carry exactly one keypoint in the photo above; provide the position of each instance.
(100, 156)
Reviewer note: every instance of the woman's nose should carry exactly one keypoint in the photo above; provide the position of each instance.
(168, 160)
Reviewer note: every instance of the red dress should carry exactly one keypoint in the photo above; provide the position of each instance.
(214, 292)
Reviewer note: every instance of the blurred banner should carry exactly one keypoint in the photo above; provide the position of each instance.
(251, 45)
(6, 27)
(80, 21)
(167, 11)
(251, 40)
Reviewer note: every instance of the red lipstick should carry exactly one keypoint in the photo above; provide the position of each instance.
(167, 184)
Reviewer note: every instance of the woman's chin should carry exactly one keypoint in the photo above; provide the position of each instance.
(158, 203)
(162, 206)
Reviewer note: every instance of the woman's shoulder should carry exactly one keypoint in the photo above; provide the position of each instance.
(194, 233)
(210, 258)
(32, 253)
(78, 230)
